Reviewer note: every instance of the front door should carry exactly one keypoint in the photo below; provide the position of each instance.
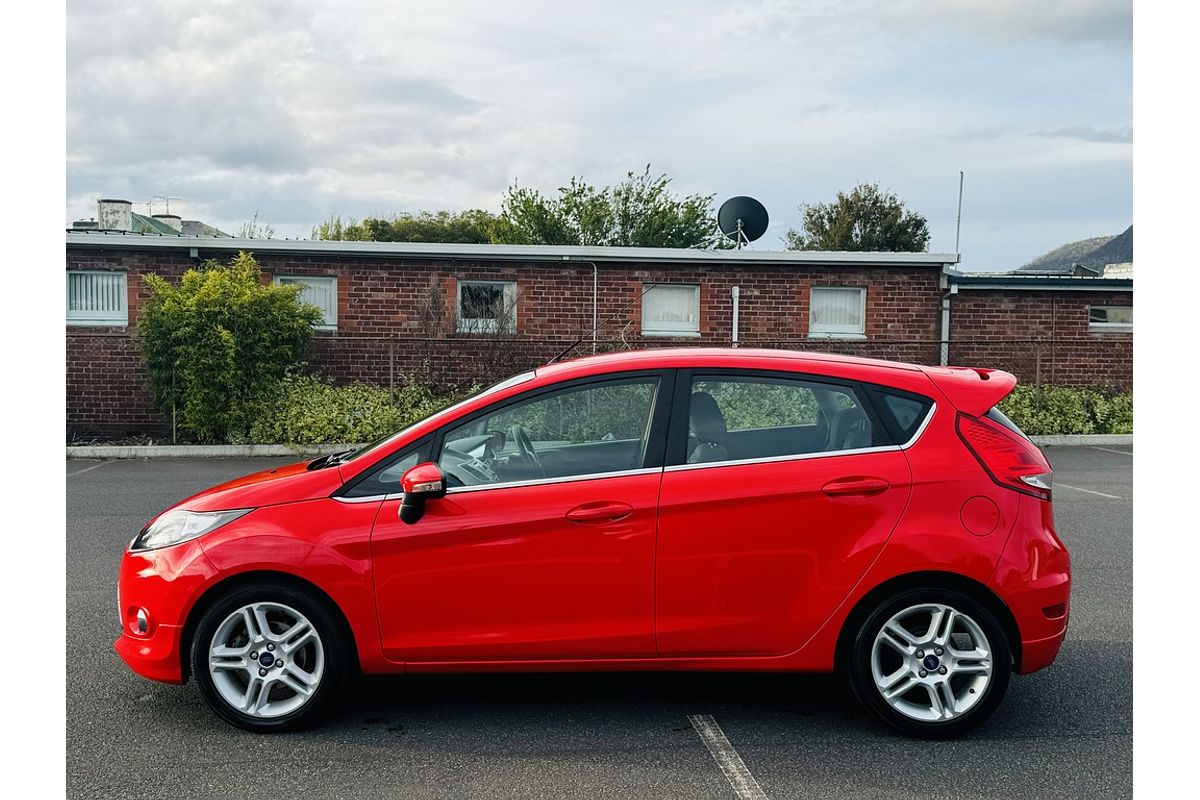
(782, 492)
(543, 547)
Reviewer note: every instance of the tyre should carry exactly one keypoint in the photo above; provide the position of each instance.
(269, 657)
(932, 663)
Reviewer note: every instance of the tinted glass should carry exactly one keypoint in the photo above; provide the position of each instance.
(736, 418)
(907, 412)
(583, 430)
(386, 480)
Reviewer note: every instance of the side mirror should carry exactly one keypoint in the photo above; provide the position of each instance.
(422, 482)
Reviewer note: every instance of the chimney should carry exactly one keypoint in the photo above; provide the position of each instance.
(171, 219)
(115, 215)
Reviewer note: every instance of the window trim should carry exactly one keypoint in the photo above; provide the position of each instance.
(99, 319)
(819, 334)
(483, 325)
(1108, 327)
(652, 457)
(327, 324)
(676, 332)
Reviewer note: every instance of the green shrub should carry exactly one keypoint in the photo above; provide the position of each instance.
(1051, 410)
(308, 410)
(217, 345)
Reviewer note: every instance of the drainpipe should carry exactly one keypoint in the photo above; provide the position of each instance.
(736, 295)
(945, 354)
(595, 305)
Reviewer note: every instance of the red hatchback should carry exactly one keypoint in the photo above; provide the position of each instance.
(675, 509)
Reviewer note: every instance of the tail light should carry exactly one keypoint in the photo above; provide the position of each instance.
(1010, 459)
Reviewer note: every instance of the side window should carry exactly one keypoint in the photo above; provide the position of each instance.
(902, 412)
(386, 480)
(737, 418)
(582, 430)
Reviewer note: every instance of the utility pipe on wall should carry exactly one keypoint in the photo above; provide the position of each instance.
(737, 293)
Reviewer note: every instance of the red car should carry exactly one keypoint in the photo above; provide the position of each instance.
(673, 509)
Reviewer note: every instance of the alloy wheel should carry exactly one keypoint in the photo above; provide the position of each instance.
(931, 662)
(266, 660)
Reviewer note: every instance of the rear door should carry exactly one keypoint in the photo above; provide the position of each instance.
(779, 491)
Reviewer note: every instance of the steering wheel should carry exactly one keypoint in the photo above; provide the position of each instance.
(525, 446)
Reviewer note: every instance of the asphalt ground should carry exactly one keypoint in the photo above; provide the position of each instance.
(1063, 732)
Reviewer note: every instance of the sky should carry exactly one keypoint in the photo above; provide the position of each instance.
(295, 110)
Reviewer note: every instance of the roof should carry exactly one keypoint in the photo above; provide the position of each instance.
(1028, 282)
(712, 356)
(560, 253)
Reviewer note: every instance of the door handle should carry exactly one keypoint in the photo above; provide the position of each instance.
(857, 486)
(601, 512)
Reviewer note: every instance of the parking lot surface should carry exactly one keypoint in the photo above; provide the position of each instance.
(1063, 732)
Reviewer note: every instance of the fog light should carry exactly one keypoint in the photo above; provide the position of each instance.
(142, 622)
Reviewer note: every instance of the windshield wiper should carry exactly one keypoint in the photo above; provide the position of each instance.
(333, 459)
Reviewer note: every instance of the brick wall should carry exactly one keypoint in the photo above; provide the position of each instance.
(383, 336)
(1041, 336)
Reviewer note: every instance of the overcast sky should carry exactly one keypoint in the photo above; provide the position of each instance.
(300, 109)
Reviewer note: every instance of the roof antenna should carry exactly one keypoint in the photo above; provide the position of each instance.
(958, 220)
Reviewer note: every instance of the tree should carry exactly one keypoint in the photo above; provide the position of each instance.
(640, 211)
(464, 227)
(866, 219)
(253, 229)
(217, 345)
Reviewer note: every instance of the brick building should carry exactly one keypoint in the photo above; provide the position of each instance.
(465, 313)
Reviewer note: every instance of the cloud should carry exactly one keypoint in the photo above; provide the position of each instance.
(305, 108)
(1007, 21)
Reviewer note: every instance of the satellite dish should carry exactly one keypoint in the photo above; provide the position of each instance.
(742, 219)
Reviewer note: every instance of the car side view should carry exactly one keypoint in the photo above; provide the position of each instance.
(670, 509)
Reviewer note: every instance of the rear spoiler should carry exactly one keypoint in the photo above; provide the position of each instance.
(972, 390)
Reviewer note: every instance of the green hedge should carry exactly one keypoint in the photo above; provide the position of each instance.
(308, 410)
(1051, 410)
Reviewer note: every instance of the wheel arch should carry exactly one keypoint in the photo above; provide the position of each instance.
(927, 580)
(214, 593)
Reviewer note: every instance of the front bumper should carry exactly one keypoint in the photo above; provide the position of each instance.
(165, 584)
(156, 656)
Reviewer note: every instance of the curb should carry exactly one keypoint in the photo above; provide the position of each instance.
(204, 450)
(1110, 439)
(300, 451)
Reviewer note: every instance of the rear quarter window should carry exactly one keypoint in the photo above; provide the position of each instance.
(902, 412)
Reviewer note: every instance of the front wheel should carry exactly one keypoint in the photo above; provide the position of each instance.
(268, 658)
(932, 663)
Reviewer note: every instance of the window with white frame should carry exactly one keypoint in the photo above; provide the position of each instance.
(487, 306)
(96, 297)
(837, 311)
(671, 309)
(1110, 318)
(317, 290)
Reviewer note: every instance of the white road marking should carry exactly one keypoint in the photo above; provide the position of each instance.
(87, 469)
(1110, 450)
(727, 758)
(1058, 485)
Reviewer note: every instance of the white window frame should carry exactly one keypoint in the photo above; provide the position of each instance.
(691, 329)
(828, 331)
(1109, 327)
(485, 324)
(329, 316)
(106, 317)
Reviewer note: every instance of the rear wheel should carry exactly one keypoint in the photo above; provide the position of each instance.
(932, 663)
(269, 658)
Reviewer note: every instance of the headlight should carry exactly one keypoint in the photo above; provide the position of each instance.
(178, 526)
